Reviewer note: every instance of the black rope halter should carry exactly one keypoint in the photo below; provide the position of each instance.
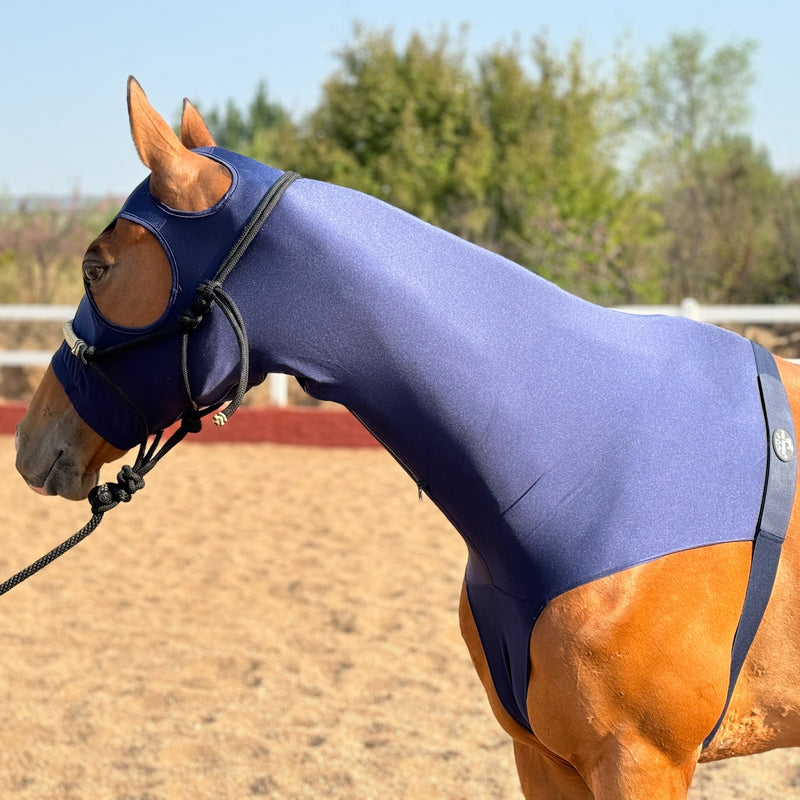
(130, 479)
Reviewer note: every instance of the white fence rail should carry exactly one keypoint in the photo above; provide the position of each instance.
(788, 313)
(716, 314)
(19, 312)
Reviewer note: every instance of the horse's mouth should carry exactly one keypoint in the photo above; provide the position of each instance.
(49, 484)
(62, 479)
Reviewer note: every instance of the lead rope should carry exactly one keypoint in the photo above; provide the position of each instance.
(130, 479)
(106, 496)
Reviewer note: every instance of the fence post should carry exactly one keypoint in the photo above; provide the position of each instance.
(278, 389)
(690, 309)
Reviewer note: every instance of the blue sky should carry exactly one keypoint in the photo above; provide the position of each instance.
(63, 65)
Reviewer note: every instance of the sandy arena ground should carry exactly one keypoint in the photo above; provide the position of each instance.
(261, 621)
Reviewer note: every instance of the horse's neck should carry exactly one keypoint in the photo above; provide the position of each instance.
(404, 324)
(376, 308)
(415, 331)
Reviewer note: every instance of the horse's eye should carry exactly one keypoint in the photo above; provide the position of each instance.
(93, 267)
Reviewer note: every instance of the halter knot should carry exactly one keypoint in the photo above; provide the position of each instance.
(109, 495)
(129, 481)
(191, 422)
(190, 318)
(85, 354)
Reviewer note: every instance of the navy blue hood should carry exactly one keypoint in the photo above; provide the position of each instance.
(148, 373)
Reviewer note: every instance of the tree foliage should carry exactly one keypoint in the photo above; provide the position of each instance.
(629, 180)
(515, 154)
(557, 200)
(623, 182)
(689, 99)
(405, 126)
(785, 211)
(41, 246)
(713, 185)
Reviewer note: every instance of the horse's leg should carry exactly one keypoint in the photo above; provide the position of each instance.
(547, 777)
(622, 774)
(630, 672)
(542, 775)
(637, 771)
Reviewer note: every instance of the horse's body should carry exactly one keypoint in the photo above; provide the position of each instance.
(630, 653)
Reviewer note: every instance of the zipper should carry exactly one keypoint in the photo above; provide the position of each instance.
(422, 487)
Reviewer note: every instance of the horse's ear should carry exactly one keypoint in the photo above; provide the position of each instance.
(194, 132)
(156, 143)
(179, 178)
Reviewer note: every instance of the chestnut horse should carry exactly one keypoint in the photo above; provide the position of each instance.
(627, 673)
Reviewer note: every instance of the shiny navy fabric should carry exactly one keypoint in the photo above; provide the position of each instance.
(196, 244)
(565, 442)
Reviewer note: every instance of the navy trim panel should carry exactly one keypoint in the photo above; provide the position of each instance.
(773, 523)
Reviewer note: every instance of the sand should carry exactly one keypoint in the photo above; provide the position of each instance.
(261, 621)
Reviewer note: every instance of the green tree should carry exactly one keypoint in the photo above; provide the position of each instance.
(518, 155)
(265, 131)
(740, 252)
(404, 125)
(710, 182)
(558, 201)
(786, 213)
(690, 99)
(528, 152)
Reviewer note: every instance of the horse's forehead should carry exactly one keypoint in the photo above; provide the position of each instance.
(124, 236)
(196, 241)
(129, 237)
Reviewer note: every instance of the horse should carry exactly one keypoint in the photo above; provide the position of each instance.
(601, 627)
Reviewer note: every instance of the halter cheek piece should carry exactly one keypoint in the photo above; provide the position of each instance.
(130, 479)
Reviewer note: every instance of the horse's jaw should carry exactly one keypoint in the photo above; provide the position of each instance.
(57, 453)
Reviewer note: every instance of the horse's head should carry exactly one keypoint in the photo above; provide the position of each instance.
(130, 283)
